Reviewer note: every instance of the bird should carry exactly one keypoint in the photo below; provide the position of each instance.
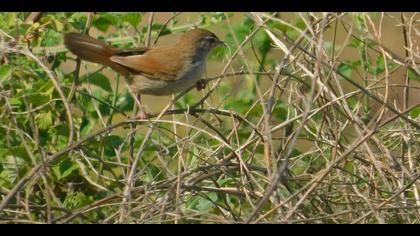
(157, 70)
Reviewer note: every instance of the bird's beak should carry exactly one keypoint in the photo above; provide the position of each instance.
(220, 42)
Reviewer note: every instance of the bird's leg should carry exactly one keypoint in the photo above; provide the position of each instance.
(142, 113)
(201, 84)
(137, 99)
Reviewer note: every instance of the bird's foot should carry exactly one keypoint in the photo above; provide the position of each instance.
(142, 115)
(201, 84)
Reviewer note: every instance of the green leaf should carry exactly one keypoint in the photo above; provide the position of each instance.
(154, 173)
(355, 43)
(280, 111)
(86, 126)
(415, 113)
(157, 27)
(412, 75)
(349, 166)
(299, 23)
(61, 132)
(51, 38)
(184, 101)
(205, 205)
(111, 142)
(299, 167)
(328, 46)
(359, 21)
(102, 23)
(345, 69)
(219, 16)
(262, 42)
(78, 20)
(15, 102)
(5, 71)
(132, 18)
(85, 102)
(64, 169)
(218, 53)
(7, 20)
(12, 167)
(3, 153)
(19, 151)
(76, 200)
(44, 120)
(352, 102)
(125, 102)
(99, 80)
(58, 25)
(243, 101)
(380, 65)
(38, 99)
(241, 30)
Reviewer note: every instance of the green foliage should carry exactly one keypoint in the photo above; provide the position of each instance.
(5, 72)
(413, 75)
(345, 69)
(102, 23)
(99, 80)
(76, 200)
(132, 18)
(64, 169)
(204, 204)
(415, 113)
(44, 120)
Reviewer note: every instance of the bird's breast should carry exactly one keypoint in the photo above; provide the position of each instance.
(186, 78)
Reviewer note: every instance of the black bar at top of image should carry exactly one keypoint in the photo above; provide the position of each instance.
(210, 5)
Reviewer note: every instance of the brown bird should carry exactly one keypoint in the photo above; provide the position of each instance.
(152, 70)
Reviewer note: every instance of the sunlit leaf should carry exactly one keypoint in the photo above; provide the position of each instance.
(132, 18)
(65, 168)
(345, 69)
(44, 120)
(86, 126)
(99, 80)
(204, 204)
(412, 75)
(415, 113)
(102, 23)
(5, 71)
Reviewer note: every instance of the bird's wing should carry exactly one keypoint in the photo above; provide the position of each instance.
(131, 51)
(153, 63)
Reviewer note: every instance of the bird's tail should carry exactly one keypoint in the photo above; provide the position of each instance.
(93, 50)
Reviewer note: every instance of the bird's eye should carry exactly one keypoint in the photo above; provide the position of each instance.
(211, 39)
